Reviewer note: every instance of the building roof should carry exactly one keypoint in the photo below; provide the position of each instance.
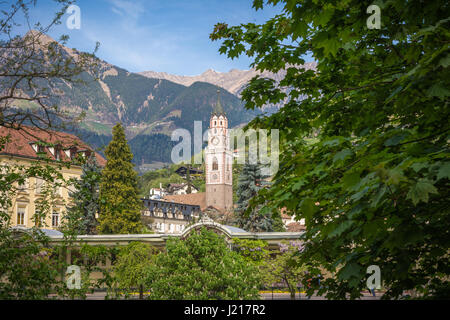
(295, 227)
(47, 232)
(234, 229)
(285, 216)
(20, 143)
(198, 199)
(178, 186)
(218, 110)
(50, 232)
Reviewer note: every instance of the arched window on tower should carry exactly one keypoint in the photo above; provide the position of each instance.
(215, 165)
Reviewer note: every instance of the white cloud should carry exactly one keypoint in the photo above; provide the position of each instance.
(131, 9)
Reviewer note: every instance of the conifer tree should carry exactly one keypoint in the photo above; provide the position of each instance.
(81, 216)
(120, 206)
(249, 183)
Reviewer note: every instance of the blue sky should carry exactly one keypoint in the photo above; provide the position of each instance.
(158, 35)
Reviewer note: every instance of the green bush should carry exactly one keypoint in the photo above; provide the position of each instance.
(202, 267)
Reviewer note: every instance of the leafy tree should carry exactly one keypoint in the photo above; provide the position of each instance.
(91, 259)
(28, 63)
(202, 267)
(254, 251)
(81, 215)
(120, 206)
(133, 266)
(285, 266)
(27, 269)
(365, 135)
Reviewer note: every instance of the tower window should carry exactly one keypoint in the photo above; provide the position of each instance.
(220, 122)
(215, 165)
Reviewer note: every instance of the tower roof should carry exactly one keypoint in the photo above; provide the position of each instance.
(218, 110)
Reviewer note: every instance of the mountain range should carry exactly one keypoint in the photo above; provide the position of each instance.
(150, 105)
(233, 81)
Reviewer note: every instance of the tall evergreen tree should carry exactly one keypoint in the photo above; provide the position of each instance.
(249, 183)
(80, 218)
(120, 206)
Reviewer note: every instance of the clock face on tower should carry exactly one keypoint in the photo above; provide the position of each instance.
(215, 141)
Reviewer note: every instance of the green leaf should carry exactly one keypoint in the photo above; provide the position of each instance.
(333, 142)
(343, 226)
(445, 62)
(308, 207)
(392, 141)
(420, 191)
(342, 155)
(331, 47)
(438, 90)
(350, 179)
(350, 270)
(395, 176)
(324, 17)
(378, 196)
(298, 185)
(359, 194)
(444, 171)
(417, 166)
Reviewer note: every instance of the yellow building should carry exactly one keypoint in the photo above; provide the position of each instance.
(29, 145)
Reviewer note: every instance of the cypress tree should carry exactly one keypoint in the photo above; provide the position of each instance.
(80, 218)
(120, 206)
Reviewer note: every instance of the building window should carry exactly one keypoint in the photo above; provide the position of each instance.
(215, 165)
(58, 153)
(55, 219)
(21, 216)
(41, 149)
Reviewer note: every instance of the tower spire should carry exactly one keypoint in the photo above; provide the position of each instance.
(218, 110)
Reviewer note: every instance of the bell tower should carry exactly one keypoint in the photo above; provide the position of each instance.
(219, 161)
